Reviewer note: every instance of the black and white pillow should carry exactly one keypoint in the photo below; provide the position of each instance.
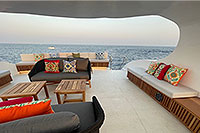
(100, 56)
(53, 55)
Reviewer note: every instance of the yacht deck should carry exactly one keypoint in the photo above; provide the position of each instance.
(128, 109)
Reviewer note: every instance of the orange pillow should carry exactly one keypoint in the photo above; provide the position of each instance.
(18, 111)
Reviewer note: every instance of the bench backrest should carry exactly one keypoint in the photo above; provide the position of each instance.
(90, 55)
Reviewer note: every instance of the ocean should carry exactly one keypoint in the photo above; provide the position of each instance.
(120, 54)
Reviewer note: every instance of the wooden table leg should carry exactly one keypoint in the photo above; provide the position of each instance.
(89, 83)
(35, 97)
(58, 98)
(46, 91)
(83, 96)
(4, 99)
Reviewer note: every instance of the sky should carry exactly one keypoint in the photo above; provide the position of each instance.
(37, 29)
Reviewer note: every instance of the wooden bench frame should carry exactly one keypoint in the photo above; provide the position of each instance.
(24, 67)
(188, 115)
(5, 79)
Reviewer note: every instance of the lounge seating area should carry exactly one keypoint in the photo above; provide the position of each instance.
(29, 60)
(180, 100)
(76, 117)
(83, 68)
(122, 101)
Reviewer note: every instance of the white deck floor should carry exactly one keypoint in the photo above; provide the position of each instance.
(128, 109)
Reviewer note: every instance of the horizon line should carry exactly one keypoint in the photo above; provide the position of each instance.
(89, 44)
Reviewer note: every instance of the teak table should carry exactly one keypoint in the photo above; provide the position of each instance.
(25, 89)
(71, 87)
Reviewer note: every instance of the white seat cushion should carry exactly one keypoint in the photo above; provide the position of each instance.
(96, 60)
(171, 91)
(23, 63)
(4, 73)
(137, 71)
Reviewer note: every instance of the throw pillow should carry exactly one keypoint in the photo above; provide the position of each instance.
(18, 111)
(51, 66)
(76, 55)
(100, 56)
(163, 72)
(82, 64)
(152, 67)
(16, 101)
(38, 57)
(53, 55)
(69, 66)
(159, 69)
(175, 74)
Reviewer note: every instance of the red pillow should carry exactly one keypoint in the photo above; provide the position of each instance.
(16, 101)
(163, 71)
(51, 66)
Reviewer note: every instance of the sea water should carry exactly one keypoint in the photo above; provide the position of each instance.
(120, 54)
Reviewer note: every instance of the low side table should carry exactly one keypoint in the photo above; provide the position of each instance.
(24, 90)
(70, 87)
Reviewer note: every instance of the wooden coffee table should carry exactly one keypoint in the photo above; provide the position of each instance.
(71, 87)
(25, 89)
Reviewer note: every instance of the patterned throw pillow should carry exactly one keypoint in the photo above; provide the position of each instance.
(38, 57)
(100, 56)
(76, 55)
(18, 111)
(159, 69)
(51, 66)
(175, 74)
(69, 66)
(152, 67)
(53, 55)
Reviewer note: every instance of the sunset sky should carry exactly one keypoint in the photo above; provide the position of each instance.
(35, 29)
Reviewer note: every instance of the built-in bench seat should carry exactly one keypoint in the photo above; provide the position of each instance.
(5, 77)
(181, 101)
(28, 62)
(25, 63)
(137, 71)
(171, 91)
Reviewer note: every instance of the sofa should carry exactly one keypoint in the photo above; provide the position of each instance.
(28, 61)
(83, 71)
(5, 77)
(85, 117)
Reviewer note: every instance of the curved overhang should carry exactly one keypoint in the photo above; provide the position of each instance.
(184, 13)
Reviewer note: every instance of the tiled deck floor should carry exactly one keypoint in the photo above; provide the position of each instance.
(128, 109)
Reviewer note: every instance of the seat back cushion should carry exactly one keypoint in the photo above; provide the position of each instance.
(85, 111)
(62, 122)
(27, 57)
(82, 65)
